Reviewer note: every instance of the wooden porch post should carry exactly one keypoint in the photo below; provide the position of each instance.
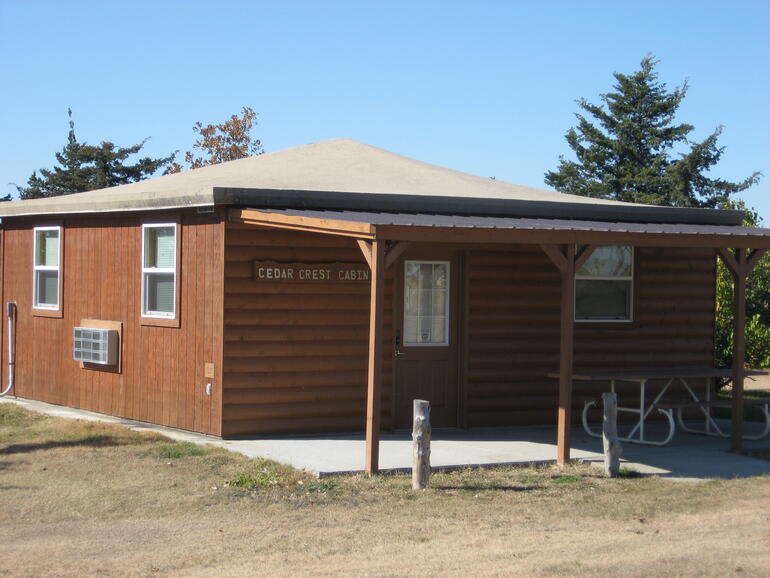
(376, 308)
(566, 354)
(740, 265)
(564, 259)
(739, 350)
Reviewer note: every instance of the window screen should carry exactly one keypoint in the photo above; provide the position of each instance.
(603, 285)
(159, 270)
(426, 303)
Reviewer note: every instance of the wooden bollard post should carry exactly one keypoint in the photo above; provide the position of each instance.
(612, 448)
(421, 445)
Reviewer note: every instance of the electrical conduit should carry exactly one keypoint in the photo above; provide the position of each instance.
(11, 310)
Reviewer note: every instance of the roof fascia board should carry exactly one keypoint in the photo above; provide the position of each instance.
(556, 236)
(301, 223)
(115, 203)
(331, 200)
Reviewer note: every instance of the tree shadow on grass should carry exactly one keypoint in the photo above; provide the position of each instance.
(7, 465)
(483, 487)
(88, 441)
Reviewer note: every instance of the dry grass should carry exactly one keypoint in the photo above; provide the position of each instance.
(80, 498)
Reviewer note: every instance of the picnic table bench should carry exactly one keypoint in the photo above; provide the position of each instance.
(710, 426)
(671, 377)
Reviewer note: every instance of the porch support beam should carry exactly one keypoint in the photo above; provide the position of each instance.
(729, 260)
(366, 250)
(395, 251)
(373, 394)
(740, 263)
(264, 218)
(556, 255)
(754, 257)
(564, 259)
(583, 254)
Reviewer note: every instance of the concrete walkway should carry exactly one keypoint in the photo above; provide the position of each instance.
(687, 457)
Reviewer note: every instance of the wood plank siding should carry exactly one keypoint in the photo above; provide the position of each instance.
(162, 378)
(295, 354)
(513, 330)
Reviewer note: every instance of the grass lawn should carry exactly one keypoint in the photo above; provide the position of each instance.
(82, 498)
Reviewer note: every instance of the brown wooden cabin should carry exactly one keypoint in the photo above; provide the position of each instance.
(322, 288)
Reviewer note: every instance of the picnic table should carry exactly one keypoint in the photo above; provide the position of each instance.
(664, 404)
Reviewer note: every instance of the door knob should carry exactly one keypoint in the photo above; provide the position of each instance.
(398, 353)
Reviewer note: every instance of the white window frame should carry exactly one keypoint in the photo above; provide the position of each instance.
(36, 268)
(610, 278)
(445, 343)
(166, 270)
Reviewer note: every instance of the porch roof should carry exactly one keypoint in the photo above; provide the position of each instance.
(400, 226)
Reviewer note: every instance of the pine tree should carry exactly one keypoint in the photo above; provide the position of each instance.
(84, 167)
(629, 156)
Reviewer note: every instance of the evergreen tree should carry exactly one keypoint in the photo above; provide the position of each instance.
(223, 142)
(629, 156)
(84, 167)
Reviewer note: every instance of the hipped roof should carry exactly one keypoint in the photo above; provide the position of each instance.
(345, 174)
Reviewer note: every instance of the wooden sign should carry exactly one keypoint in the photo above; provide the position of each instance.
(337, 272)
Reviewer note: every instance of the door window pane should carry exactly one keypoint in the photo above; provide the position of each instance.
(426, 303)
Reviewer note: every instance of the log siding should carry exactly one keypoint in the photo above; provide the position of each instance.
(295, 354)
(513, 330)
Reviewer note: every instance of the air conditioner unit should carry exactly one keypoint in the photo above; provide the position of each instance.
(95, 345)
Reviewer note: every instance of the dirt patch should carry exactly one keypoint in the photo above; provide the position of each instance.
(759, 385)
(80, 498)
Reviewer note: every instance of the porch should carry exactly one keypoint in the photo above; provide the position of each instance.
(566, 245)
(687, 458)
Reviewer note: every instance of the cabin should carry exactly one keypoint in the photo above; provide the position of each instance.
(323, 288)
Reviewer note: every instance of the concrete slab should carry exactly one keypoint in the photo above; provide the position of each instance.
(688, 457)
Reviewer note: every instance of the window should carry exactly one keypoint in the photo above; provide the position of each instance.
(159, 270)
(46, 278)
(426, 303)
(603, 285)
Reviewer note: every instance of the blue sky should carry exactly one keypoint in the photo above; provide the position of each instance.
(483, 87)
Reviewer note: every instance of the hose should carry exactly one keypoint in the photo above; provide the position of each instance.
(11, 353)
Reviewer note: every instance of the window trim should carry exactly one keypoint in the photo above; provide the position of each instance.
(447, 341)
(157, 318)
(632, 290)
(39, 310)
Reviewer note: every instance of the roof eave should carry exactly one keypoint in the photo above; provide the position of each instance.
(331, 200)
(108, 202)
